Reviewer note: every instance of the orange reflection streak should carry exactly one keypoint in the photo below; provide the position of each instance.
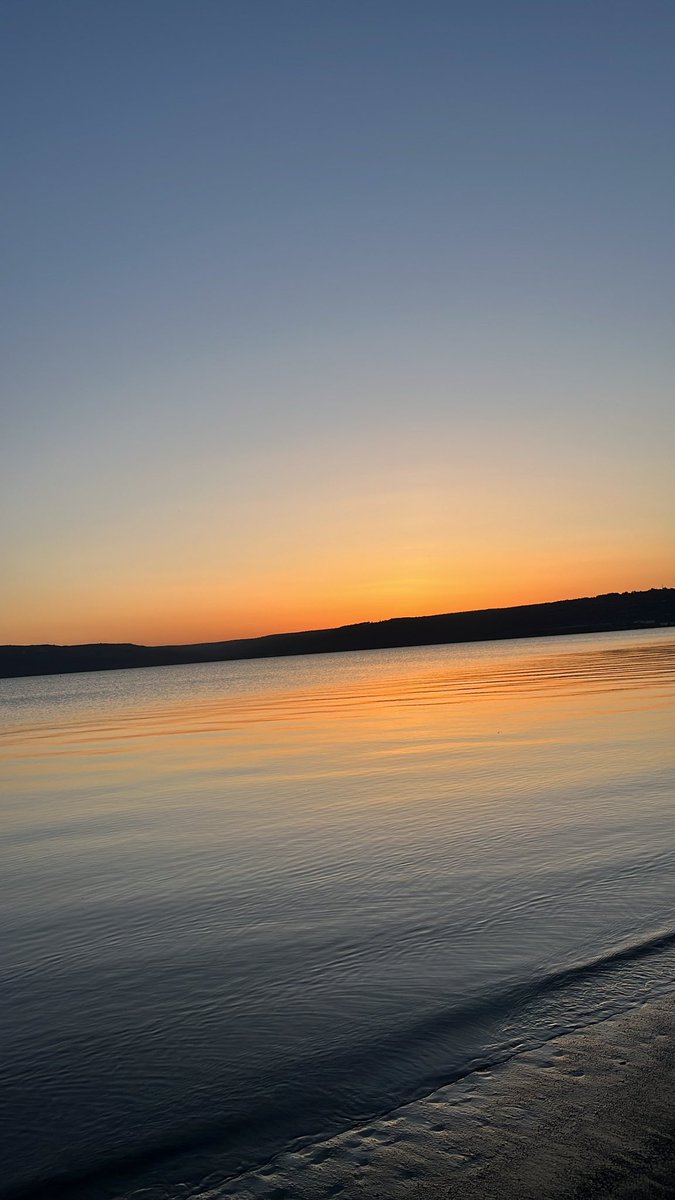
(293, 744)
(379, 695)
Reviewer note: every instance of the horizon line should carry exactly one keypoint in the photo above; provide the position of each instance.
(504, 608)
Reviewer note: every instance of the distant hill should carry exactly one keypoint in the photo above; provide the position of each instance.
(616, 610)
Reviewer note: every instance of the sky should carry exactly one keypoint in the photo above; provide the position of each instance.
(319, 311)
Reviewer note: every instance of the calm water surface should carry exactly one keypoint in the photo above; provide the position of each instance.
(249, 903)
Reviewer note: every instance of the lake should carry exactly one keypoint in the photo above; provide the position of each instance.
(247, 905)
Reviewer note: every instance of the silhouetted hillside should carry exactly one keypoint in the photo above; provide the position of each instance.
(625, 610)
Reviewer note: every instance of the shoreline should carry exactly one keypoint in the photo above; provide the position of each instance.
(615, 612)
(588, 1114)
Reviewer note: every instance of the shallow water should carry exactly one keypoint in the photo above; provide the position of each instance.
(250, 903)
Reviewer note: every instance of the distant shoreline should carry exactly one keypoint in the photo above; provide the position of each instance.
(612, 612)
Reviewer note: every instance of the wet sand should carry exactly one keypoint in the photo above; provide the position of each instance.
(591, 1114)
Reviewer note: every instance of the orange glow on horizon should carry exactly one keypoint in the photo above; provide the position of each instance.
(191, 614)
(339, 547)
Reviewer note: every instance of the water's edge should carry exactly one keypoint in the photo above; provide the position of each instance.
(253, 908)
(587, 1113)
(287, 1167)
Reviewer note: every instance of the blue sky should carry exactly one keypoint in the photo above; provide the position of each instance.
(319, 311)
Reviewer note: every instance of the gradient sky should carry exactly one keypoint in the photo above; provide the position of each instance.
(319, 311)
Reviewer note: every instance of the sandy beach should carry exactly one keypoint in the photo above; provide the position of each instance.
(591, 1114)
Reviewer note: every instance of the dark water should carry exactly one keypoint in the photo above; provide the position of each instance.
(245, 904)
